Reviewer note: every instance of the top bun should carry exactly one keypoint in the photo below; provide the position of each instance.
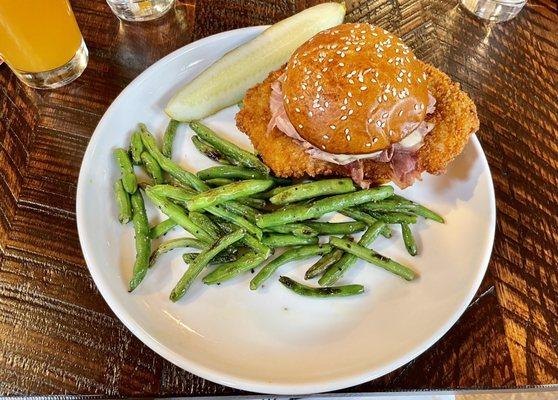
(354, 89)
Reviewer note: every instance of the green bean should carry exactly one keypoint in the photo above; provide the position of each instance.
(152, 167)
(183, 195)
(395, 217)
(248, 240)
(177, 214)
(142, 240)
(419, 209)
(189, 258)
(372, 257)
(219, 182)
(206, 223)
(167, 165)
(408, 239)
(229, 192)
(230, 172)
(224, 272)
(320, 266)
(337, 228)
(202, 260)
(168, 138)
(310, 190)
(258, 204)
(281, 240)
(271, 193)
(296, 229)
(176, 244)
(161, 228)
(221, 211)
(242, 209)
(335, 291)
(210, 151)
(123, 201)
(402, 206)
(223, 257)
(369, 220)
(323, 206)
(296, 253)
(230, 150)
(129, 180)
(136, 147)
(336, 270)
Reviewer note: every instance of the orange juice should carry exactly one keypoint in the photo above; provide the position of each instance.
(37, 35)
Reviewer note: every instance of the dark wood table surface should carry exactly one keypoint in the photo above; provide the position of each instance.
(57, 335)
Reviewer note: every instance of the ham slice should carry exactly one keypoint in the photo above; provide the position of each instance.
(402, 156)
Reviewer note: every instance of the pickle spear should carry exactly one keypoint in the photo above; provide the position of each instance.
(225, 82)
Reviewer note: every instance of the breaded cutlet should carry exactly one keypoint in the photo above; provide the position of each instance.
(455, 119)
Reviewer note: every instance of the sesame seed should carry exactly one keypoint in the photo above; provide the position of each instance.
(391, 132)
(350, 112)
(363, 88)
(368, 144)
(341, 64)
(349, 94)
(321, 109)
(343, 118)
(380, 99)
(343, 108)
(345, 101)
(383, 125)
(385, 115)
(325, 137)
(374, 140)
(384, 97)
(358, 49)
(323, 147)
(351, 82)
(399, 79)
(346, 131)
(416, 107)
(319, 76)
(319, 88)
(297, 109)
(326, 104)
(310, 113)
(400, 113)
(379, 123)
(287, 100)
(359, 103)
(332, 126)
(300, 126)
(348, 138)
(360, 78)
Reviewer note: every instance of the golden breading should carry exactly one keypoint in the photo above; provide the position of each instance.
(455, 120)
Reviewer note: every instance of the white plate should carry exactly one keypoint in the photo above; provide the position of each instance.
(272, 340)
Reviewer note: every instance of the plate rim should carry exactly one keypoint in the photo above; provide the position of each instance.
(226, 379)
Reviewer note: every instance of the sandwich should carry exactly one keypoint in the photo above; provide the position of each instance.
(355, 101)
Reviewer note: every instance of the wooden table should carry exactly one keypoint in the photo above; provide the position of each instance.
(57, 335)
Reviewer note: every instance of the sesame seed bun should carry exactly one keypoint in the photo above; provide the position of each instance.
(354, 89)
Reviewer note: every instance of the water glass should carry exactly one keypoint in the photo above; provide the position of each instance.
(494, 10)
(140, 10)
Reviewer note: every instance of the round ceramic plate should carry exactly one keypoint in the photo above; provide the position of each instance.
(272, 340)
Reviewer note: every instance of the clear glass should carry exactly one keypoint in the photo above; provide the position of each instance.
(494, 10)
(140, 10)
(41, 42)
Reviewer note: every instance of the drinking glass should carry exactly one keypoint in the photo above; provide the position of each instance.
(494, 10)
(139, 10)
(41, 42)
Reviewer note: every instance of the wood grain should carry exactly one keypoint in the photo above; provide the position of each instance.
(57, 335)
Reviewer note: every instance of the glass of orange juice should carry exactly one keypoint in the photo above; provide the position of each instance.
(41, 42)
